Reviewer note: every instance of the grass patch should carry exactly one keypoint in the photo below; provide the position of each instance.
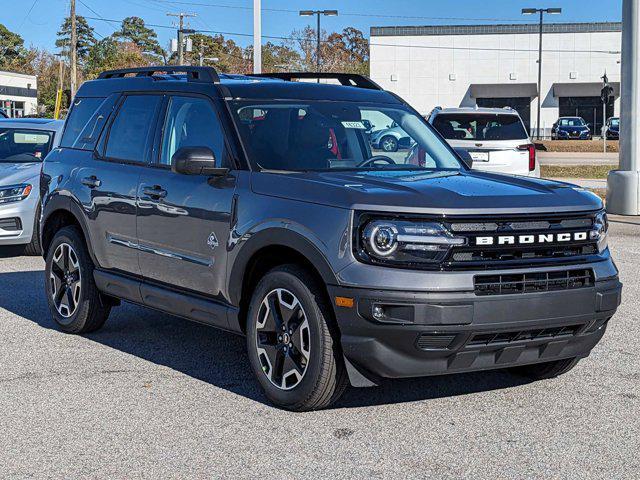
(595, 146)
(575, 171)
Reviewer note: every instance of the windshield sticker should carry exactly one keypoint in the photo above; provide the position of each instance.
(356, 125)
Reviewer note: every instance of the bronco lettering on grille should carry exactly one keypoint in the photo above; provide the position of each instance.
(532, 239)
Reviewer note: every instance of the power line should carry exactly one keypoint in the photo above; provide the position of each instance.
(430, 47)
(28, 13)
(348, 14)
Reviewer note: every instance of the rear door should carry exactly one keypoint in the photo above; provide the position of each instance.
(184, 220)
(496, 142)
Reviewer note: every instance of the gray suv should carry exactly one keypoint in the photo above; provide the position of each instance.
(256, 204)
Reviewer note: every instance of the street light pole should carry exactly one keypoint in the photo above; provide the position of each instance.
(257, 36)
(318, 13)
(541, 11)
(623, 185)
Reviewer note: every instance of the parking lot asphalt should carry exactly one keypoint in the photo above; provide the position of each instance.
(154, 396)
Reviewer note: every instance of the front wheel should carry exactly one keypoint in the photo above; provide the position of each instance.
(72, 295)
(292, 341)
(389, 144)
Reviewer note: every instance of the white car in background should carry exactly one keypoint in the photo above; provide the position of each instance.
(495, 138)
(24, 143)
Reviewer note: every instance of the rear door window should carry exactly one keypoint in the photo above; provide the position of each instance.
(130, 135)
(467, 126)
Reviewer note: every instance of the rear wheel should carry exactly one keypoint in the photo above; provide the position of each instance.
(543, 371)
(292, 343)
(72, 295)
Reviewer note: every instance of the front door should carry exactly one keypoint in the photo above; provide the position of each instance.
(184, 220)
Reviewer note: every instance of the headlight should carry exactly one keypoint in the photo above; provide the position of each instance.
(14, 193)
(404, 242)
(599, 232)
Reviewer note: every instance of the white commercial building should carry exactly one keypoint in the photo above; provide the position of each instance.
(497, 66)
(18, 94)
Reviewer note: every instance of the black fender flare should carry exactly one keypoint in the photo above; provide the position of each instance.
(63, 203)
(276, 237)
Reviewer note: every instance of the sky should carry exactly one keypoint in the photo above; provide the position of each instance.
(38, 20)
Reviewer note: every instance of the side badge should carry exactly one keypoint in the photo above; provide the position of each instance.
(212, 241)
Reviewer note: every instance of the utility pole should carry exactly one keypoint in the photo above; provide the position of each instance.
(623, 185)
(541, 11)
(74, 50)
(181, 32)
(257, 36)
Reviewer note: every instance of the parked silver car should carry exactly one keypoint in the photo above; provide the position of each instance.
(24, 143)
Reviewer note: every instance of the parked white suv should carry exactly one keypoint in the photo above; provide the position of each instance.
(495, 138)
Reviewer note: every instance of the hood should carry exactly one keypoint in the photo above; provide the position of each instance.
(14, 173)
(448, 193)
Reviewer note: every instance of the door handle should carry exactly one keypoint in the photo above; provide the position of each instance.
(91, 182)
(154, 192)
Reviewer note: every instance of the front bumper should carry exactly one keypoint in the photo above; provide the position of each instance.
(450, 332)
(24, 211)
(569, 136)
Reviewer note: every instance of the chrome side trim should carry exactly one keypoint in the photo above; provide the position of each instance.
(205, 262)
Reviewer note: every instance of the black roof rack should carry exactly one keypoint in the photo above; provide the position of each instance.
(194, 74)
(347, 79)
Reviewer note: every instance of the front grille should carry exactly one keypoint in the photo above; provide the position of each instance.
(532, 282)
(495, 338)
(12, 224)
(428, 341)
(476, 255)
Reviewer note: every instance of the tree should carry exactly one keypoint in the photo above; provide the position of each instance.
(11, 47)
(276, 58)
(135, 31)
(347, 51)
(85, 36)
(110, 54)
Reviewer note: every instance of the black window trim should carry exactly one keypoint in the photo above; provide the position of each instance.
(100, 152)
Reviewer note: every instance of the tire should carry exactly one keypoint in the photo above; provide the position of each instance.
(312, 374)
(544, 371)
(389, 144)
(33, 248)
(76, 306)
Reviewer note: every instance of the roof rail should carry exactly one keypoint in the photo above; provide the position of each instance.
(346, 79)
(194, 74)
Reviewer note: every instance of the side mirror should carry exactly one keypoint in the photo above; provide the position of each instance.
(196, 161)
(464, 156)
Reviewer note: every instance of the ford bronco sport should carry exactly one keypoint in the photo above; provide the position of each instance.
(257, 205)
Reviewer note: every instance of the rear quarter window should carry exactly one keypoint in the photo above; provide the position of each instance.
(86, 121)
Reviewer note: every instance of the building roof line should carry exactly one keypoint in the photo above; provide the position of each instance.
(528, 28)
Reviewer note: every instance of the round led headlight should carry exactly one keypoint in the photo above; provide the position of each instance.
(381, 238)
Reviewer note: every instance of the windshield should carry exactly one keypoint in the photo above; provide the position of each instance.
(572, 122)
(615, 122)
(321, 135)
(480, 126)
(20, 145)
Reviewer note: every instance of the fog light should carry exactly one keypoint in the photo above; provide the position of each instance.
(378, 312)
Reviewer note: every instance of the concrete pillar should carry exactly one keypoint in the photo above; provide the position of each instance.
(623, 185)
